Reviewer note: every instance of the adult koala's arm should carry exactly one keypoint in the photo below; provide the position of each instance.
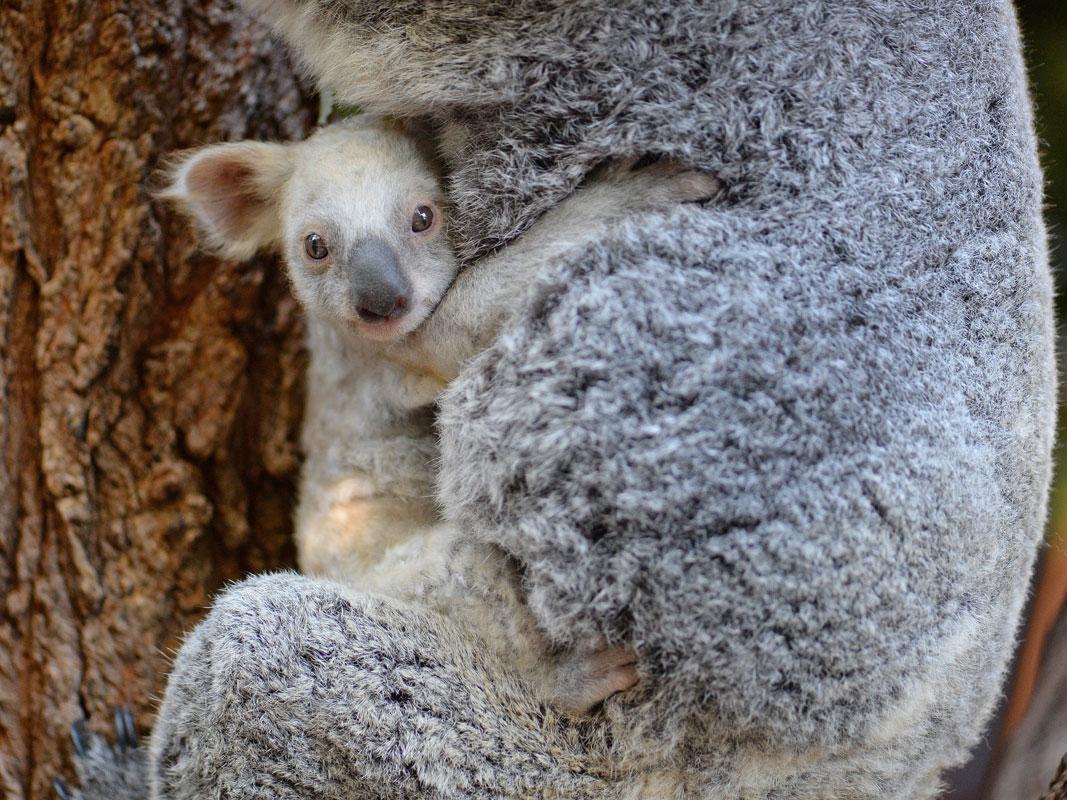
(793, 448)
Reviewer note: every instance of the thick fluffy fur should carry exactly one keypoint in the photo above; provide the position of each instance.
(794, 450)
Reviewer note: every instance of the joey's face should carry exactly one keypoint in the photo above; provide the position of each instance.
(364, 232)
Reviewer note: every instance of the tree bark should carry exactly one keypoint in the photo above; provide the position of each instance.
(149, 396)
(1035, 748)
(1035, 735)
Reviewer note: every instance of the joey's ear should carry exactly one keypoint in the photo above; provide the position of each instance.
(233, 191)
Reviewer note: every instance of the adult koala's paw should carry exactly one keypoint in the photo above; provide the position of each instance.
(106, 771)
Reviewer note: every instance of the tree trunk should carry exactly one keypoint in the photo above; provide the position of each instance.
(1035, 735)
(1034, 749)
(149, 396)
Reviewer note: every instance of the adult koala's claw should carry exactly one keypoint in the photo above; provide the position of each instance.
(107, 771)
(125, 729)
(79, 737)
(61, 789)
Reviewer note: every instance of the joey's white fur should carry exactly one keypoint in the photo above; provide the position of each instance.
(366, 515)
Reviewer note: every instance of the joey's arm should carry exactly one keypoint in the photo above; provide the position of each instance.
(474, 309)
(486, 293)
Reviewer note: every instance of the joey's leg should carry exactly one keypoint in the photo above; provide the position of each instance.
(485, 294)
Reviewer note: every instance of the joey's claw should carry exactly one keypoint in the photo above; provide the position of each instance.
(79, 737)
(61, 790)
(694, 187)
(125, 730)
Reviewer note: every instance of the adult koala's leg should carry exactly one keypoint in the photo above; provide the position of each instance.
(298, 688)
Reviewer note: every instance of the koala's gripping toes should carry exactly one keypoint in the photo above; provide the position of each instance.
(586, 681)
(106, 771)
(638, 184)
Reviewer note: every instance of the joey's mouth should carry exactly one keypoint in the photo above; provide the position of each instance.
(381, 328)
(374, 318)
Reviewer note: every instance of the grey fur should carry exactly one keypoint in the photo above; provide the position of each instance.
(793, 448)
(392, 720)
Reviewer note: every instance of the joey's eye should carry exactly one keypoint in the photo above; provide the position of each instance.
(421, 219)
(315, 246)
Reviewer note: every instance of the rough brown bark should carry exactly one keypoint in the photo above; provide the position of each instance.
(149, 396)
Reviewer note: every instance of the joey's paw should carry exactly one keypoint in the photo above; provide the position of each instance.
(591, 679)
(106, 771)
(670, 181)
(651, 184)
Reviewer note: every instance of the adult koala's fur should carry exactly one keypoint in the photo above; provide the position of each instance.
(792, 447)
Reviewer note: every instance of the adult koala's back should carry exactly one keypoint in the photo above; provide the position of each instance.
(793, 447)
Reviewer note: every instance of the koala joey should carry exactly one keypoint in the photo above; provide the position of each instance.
(360, 219)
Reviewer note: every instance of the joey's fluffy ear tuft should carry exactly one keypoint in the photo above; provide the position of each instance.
(233, 191)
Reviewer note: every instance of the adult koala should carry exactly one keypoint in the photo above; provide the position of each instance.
(792, 447)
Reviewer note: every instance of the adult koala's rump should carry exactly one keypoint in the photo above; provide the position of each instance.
(792, 447)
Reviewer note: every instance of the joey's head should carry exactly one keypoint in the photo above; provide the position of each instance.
(355, 210)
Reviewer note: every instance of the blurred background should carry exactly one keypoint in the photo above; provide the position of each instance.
(1029, 733)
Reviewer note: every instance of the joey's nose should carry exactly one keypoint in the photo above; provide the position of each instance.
(377, 287)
